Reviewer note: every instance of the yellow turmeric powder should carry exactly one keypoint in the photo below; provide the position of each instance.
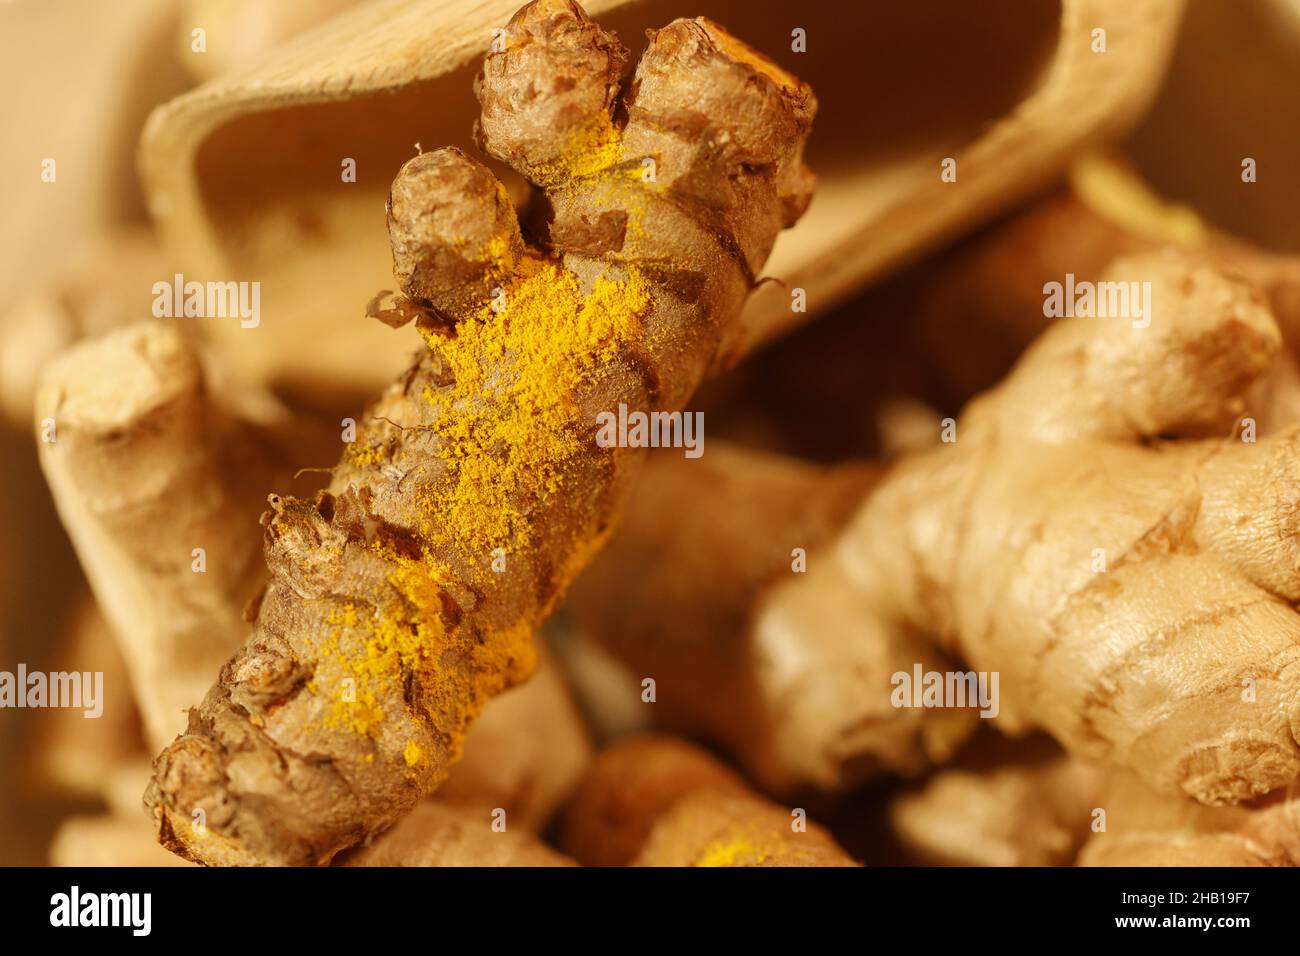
(554, 338)
(731, 851)
(589, 149)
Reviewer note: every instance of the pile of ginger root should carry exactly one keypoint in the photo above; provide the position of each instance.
(486, 639)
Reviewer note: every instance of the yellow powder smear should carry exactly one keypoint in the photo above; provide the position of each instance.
(366, 455)
(395, 643)
(507, 657)
(496, 255)
(509, 428)
(590, 149)
(729, 851)
(421, 582)
(509, 423)
(412, 753)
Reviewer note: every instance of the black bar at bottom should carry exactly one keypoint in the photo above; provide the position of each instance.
(334, 906)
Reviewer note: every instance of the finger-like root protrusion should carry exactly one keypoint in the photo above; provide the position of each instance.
(1172, 350)
(1064, 544)
(1021, 803)
(549, 93)
(156, 489)
(452, 229)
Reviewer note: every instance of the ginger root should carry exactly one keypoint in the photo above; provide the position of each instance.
(133, 434)
(1147, 828)
(407, 595)
(1133, 591)
(1018, 803)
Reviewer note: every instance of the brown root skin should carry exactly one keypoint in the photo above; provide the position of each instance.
(790, 672)
(441, 237)
(387, 579)
(1142, 664)
(628, 787)
(653, 800)
(723, 830)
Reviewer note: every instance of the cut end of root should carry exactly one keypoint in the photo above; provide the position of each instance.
(745, 55)
(108, 384)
